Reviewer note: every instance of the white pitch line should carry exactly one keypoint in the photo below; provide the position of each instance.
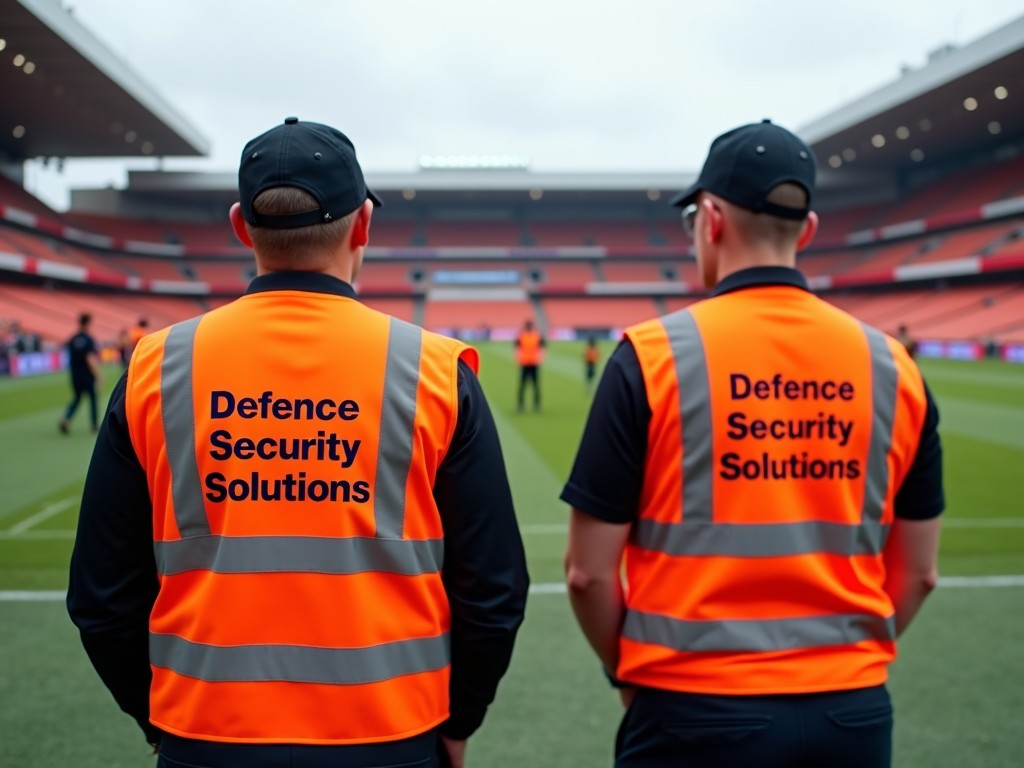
(552, 588)
(44, 514)
(31, 596)
(530, 529)
(984, 522)
(982, 581)
(954, 522)
(53, 535)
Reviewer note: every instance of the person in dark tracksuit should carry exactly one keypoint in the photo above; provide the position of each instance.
(84, 367)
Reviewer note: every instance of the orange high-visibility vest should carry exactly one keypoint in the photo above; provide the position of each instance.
(781, 429)
(529, 350)
(291, 440)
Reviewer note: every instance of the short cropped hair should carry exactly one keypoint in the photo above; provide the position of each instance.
(84, 319)
(303, 248)
(781, 233)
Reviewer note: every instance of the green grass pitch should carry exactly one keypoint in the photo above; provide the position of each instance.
(958, 684)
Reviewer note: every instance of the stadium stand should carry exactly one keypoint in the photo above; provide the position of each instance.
(599, 312)
(499, 232)
(459, 316)
(934, 242)
(404, 309)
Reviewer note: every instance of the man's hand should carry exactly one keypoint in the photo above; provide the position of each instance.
(456, 749)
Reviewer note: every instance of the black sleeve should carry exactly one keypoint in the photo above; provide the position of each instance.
(113, 581)
(484, 564)
(921, 496)
(607, 477)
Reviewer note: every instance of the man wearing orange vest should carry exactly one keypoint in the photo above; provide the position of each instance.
(140, 329)
(591, 357)
(297, 545)
(756, 497)
(529, 354)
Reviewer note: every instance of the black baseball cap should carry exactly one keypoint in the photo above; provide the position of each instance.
(313, 157)
(748, 162)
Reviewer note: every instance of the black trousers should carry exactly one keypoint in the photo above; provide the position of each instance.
(845, 729)
(89, 390)
(528, 374)
(423, 751)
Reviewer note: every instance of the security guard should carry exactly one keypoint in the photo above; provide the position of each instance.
(591, 357)
(529, 354)
(297, 545)
(766, 472)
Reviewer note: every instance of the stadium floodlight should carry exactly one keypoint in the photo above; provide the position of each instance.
(18, 132)
(29, 68)
(925, 124)
(835, 161)
(970, 103)
(147, 147)
(3, 43)
(917, 155)
(1000, 91)
(490, 162)
(849, 154)
(903, 133)
(19, 60)
(409, 194)
(653, 194)
(130, 137)
(995, 128)
(878, 141)
(536, 193)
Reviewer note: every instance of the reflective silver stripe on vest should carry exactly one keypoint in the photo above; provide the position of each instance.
(398, 413)
(702, 537)
(299, 554)
(756, 635)
(694, 414)
(756, 539)
(198, 549)
(180, 428)
(884, 380)
(298, 663)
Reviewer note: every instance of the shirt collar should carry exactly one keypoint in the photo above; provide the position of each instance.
(756, 277)
(314, 282)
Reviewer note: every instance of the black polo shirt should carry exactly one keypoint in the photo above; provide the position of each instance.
(607, 476)
(81, 347)
(113, 579)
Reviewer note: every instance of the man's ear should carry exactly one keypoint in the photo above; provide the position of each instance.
(360, 231)
(713, 219)
(808, 232)
(238, 225)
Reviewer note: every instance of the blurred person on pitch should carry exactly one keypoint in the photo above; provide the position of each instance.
(530, 346)
(338, 575)
(909, 342)
(84, 368)
(140, 329)
(591, 357)
(765, 471)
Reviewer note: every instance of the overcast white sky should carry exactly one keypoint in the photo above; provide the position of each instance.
(583, 85)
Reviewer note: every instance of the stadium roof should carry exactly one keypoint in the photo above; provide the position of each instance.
(965, 105)
(68, 95)
(964, 100)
